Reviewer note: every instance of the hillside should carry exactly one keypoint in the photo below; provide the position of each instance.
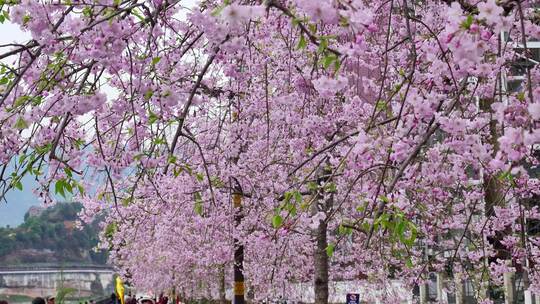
(50, 236)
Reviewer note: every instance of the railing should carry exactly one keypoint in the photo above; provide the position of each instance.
(37, 267)
(55, 268)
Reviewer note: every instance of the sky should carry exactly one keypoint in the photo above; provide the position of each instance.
(18, 202)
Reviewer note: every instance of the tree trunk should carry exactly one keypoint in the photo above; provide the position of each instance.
(222, 292)
(321, 265)
(494, 196)
(238, 269)
(320, 257)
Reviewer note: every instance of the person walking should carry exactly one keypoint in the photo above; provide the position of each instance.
(114, 299)
(147, 300)
(132, 300)
(38, 300)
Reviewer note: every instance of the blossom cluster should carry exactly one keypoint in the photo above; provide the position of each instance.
(387, 127)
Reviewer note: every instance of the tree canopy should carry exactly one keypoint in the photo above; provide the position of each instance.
(367, 139)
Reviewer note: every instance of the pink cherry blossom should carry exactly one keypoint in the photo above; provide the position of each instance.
(377, 134)
(490, 11)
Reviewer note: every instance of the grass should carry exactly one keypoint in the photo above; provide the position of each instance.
(16, 298)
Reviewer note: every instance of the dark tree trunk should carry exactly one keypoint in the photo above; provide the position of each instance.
(321, 265)
(222, 294)
(321, 259)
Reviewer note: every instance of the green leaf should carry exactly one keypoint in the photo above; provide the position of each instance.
(366, 226)
(148, 94)
(198, 207)
(155, 60)
(152, 117)
(330, 188)
(126, 201)
(137, 14)
(26, 19)
(2, 18)
(21, 101)
(343, 21)
(19, 185)
(68, 172)
(521, 96)
(217, 182)
(217, 11)
(337, 64)
(323, 45)
(330, 250)
(159, 141)
(328, 60)
(298, 196)
(110, 230)
(344, 230)
(199, 176)
(381, 220)
(467, 23)
(87, 11)
(409, 262)
(362, 208)
(302, 43)
(21, 124)
(384, 198)
(287, 197)
(412, 237)
(292, 209)
(43, 149)
(400, 229)
(22, 158)
(277, 220)
(4, 80)
(68, 187)
(80, 188)
(59, 188)
(78, 143)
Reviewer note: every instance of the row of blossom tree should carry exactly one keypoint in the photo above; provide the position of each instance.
(373, 140)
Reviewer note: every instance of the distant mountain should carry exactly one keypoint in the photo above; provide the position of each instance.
(49, 235)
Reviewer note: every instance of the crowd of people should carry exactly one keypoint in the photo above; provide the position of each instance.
(46, 300)
(145, 299)
(129, 299)
(52, 300)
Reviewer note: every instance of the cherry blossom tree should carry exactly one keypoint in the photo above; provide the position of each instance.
(366, 140)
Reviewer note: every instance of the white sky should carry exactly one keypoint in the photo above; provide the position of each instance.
(10, 33)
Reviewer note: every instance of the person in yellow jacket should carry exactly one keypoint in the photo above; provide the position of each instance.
(119, 289)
